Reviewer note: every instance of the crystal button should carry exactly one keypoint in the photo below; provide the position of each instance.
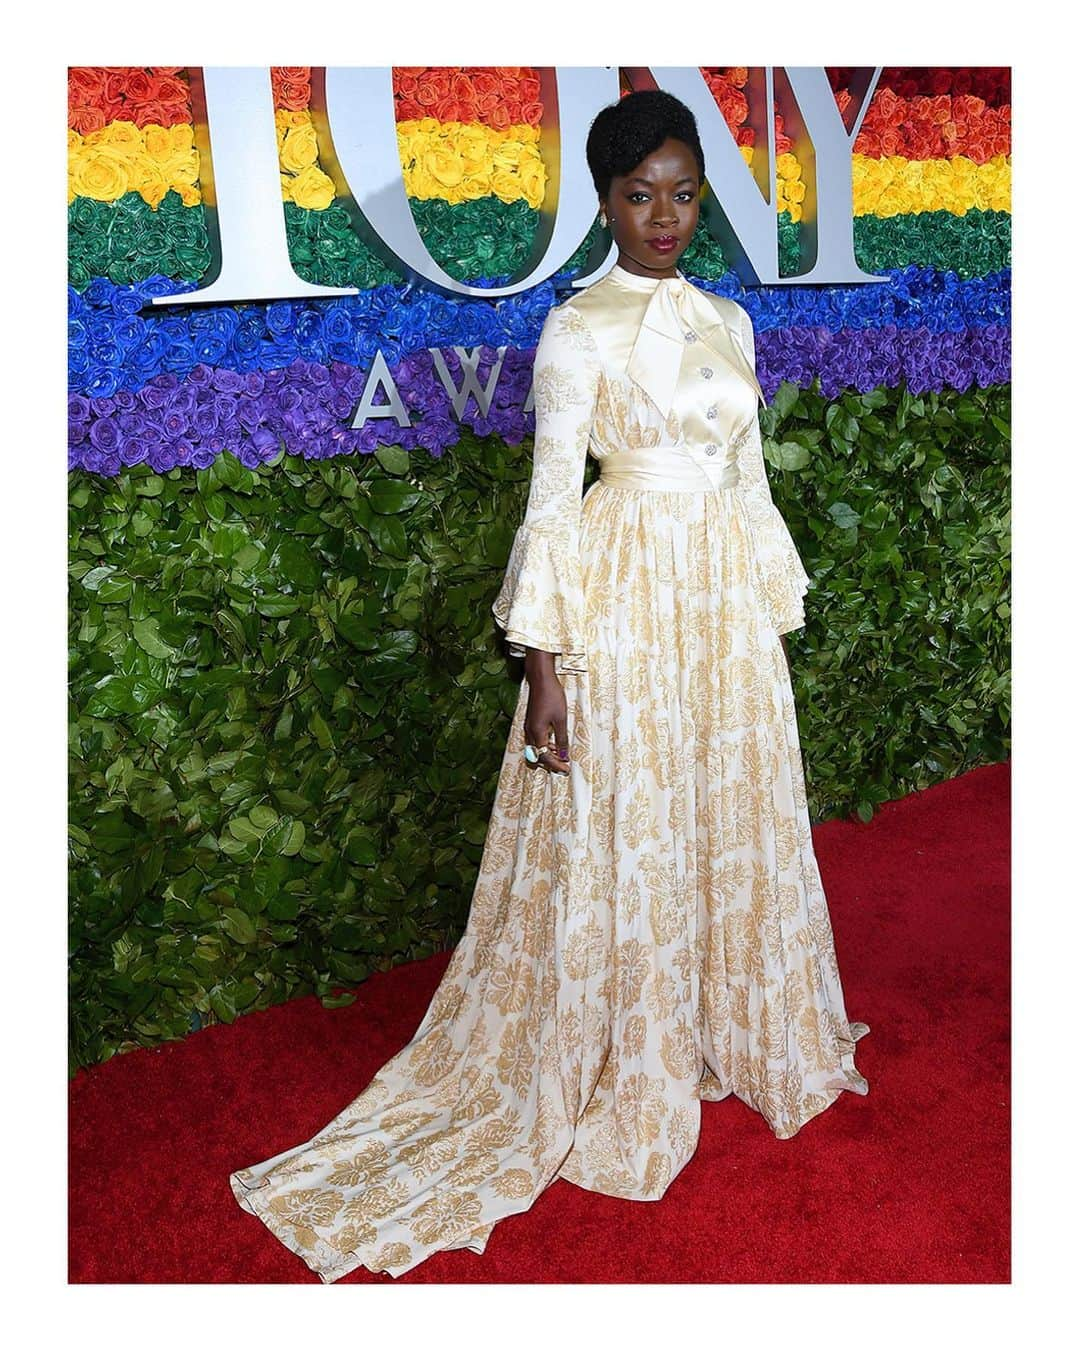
(690, 335)
(711, 412)
(711, 448)
(706, 372)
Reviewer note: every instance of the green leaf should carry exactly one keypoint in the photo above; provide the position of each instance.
(115, 590)
(238, 925)
(785, 399)
(387, 496)
(298, 564)
(92, 580)
(240, 827)
(788, 455)
(361, 847)
(843, 515)
(358, 631)
(393, 459)
(294, 842)
(145, 632)
(277, 606)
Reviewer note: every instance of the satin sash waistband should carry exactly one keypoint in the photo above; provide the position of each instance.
(667, 468)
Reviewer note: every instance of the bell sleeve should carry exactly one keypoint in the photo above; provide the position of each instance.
(782, 581)
(541, 601)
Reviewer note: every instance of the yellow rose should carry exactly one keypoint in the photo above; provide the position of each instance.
(100, 173)
(999, 184)
(787, 167)
(190, 196)
(505, 185)
(533, 180)
(182, 137)
(181, 167)
(300, 150)
(796, 192)
(479, 185)
(287, 181)
(507, 155)
(419, 184)
(444, 167)
(157, 141)
(118, 135)
(473, 147)
(152, 182)
(312, 189)
(891, 202)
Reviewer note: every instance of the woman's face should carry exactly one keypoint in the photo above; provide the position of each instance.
(657, 199)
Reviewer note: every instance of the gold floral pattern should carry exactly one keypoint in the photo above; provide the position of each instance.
(648, 932)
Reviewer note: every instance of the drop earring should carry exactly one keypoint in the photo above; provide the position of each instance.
(603, 221)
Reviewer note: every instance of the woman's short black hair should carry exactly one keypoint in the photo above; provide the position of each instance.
(623, 133)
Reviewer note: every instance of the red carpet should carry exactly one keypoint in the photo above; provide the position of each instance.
(907, 1184)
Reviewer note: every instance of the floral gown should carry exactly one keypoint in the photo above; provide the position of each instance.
(649, 931)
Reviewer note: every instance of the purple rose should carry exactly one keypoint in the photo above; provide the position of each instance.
(265, 444)
(228, 381)
(200, 377)
(161, 458)
(204, 419)
(105, 435)
(134, 451)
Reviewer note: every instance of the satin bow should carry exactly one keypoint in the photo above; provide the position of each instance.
(675, 309)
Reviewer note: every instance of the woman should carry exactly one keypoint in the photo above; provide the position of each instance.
(648, 928)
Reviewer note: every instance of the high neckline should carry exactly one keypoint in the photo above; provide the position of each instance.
(640, 283)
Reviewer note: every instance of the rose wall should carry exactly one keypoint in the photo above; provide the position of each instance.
(288, 697)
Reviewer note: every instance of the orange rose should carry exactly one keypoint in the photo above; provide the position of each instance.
(461, 86)
(170, 90)
(85, 120)
(85, 84)
(138, 86)
(427, 91)
(115, 83)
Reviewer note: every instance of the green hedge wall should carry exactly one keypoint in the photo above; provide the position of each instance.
(289, 699)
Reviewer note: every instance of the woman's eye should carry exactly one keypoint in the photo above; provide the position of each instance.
(686, 195)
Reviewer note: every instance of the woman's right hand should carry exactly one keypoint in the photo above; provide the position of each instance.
(546, 711)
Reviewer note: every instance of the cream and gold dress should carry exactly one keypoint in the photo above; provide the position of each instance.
(649, 931)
